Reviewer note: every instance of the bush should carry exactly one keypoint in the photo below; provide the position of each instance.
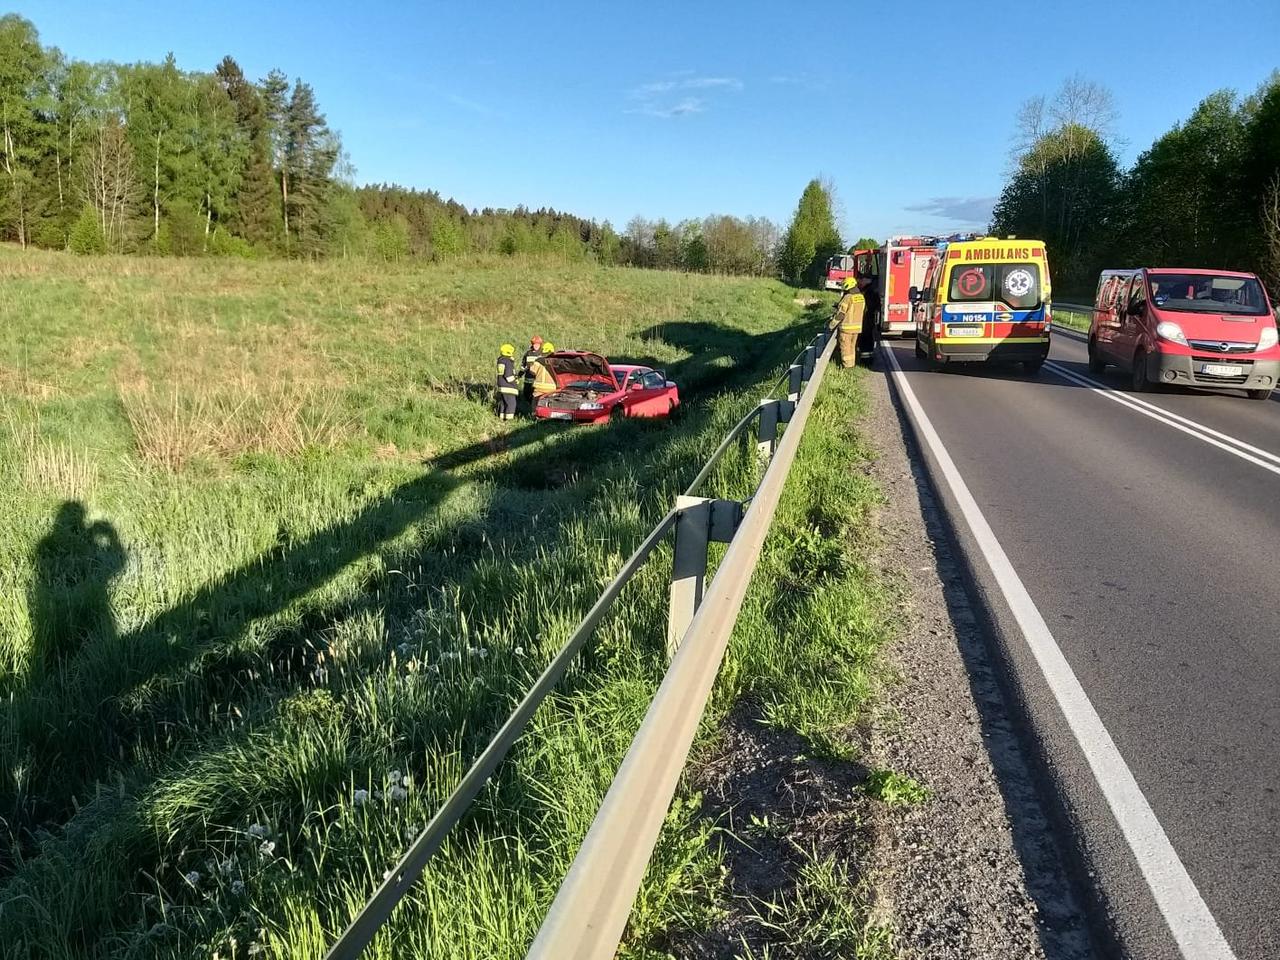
(224, 244)
(181, 231)
(86, 234)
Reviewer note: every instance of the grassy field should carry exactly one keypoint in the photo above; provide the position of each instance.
(272, 573)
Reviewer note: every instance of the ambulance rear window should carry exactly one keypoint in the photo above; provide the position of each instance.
(1015, 284)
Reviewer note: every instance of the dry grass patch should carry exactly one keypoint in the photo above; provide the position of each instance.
(173, 427)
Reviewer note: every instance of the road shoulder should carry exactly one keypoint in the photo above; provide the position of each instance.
(974, 870)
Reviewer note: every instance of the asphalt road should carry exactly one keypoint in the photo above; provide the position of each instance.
(1150, 554)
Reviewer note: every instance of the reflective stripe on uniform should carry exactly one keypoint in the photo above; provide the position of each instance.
(508, 390)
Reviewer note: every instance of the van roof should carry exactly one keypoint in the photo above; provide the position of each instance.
(1193, 271)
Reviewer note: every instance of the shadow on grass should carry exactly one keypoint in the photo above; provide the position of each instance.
(112, 705)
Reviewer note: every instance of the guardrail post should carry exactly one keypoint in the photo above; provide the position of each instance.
(767, 430)
(699, 521)
(810, 355)
(795, 377)
(688, 566)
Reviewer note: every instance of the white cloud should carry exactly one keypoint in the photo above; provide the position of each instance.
(655, 99)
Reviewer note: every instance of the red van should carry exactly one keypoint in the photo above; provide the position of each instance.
(1211, 329)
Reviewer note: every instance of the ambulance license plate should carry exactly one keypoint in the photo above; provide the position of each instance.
(1221, 370)
(968, 330)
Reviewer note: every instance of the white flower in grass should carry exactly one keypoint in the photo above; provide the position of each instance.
(266, 849)
(237, 887)
(519, 651)
(193, 878)
(360, 798)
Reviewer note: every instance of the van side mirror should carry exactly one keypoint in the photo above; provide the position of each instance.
(914, 294)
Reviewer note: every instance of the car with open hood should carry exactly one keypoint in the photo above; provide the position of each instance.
(591, 390)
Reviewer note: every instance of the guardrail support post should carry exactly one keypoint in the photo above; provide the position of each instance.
(767, 429)
(699, 521)
(810, 355)
(795, 377)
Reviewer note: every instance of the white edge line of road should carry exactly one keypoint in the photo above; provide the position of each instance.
(1223, 441)
(1193, 927)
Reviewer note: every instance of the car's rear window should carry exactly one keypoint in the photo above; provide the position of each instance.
(1016, 284)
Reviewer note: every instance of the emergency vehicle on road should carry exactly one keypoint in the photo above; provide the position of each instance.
(839, 268)
(986, 299)
(904, 261)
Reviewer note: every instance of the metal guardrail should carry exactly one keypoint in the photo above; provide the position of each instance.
(699, 623)
(1072, 307)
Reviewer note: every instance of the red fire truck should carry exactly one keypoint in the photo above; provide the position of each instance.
(903, 262)
(838, 267)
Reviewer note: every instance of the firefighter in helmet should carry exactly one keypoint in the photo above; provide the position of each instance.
(543, 380)
(847, 321)
(526, 367)
(506, 385)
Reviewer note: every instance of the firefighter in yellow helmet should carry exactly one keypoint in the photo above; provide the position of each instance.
(506, 385)
(543, 380)
(847, 321)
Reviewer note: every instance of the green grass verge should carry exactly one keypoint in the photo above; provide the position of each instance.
(239, 682)
(1074, 319)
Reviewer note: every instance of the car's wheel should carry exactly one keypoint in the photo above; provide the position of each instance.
(1096, 363)
(673, 410)
(1259, 394)
(1032, 367)
(1139, 381)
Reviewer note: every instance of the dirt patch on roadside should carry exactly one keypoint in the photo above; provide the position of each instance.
(776, 807)
(974, 871)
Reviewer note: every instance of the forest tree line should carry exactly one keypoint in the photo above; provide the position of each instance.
(149, 158)
(1205, 194)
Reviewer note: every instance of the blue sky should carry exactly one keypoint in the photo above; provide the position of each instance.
(684, 109)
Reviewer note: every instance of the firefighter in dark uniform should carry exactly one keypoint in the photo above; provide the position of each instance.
(526, 369)
(869, 338)
(506, 385)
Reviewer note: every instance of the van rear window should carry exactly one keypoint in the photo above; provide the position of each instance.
(1017, 284)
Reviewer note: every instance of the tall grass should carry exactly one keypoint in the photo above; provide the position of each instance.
(312, 574)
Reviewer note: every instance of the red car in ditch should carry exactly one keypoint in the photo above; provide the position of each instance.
(591, 390)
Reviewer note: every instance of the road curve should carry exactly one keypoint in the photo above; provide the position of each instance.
(1146, 540)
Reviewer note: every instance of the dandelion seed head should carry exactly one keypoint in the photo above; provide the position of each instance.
(266, 848)
(360, 797)
(259, 831)
(193, 878)
(237, 887)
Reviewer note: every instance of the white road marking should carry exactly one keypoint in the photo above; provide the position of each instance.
(1193, 927)
(1223, 441)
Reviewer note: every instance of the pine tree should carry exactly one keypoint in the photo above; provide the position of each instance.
(254, 212)
(311, 151)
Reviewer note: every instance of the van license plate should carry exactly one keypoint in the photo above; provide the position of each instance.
(1221, 370)
(970, 330)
